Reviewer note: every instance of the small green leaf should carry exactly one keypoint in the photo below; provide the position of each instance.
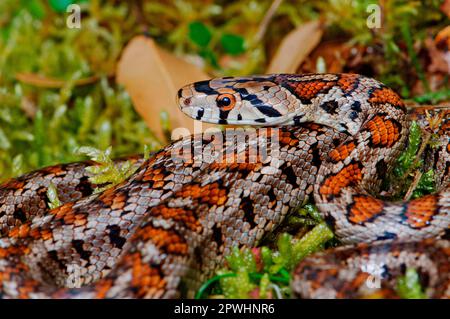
(232, 44)
(60, 5)
(52, 195)
(35, 8)
(199, 34)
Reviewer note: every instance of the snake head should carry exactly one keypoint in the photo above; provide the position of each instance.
(255, 100)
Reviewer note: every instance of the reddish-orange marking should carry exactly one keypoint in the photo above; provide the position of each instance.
(312, 126)
(364, 209)
(156, 176)
(287, 138)
(46, 234)
(177, 214)
(350, 287)
(24, 230)
(145, 278)
(348, 82)
(420, 212)
(69, 216)
(102, 288)
(20, 231)
(13, 184)
(342, 151)
(349, 175)
(211, 194)
(384, 132)
(14, 250)
(167, 240)
(386, 95)
(310, 89)
(56, 170)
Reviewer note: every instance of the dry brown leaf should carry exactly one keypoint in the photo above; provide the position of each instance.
(440, 59)
(445, 7)
(51, 83)
(295, 47)
(443, 39)
(336, 55)
(152, 77)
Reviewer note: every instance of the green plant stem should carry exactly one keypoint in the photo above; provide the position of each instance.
(312, 240)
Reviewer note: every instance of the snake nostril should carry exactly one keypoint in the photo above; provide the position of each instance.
(187, 101)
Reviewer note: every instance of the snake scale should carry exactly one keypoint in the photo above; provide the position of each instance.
(332, 138)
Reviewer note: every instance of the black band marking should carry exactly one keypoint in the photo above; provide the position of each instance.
(268, 111)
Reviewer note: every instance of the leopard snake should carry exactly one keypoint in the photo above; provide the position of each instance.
(331, 138)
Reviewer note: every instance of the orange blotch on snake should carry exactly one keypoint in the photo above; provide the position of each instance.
(310, 89)
(211, 194)
(146, 279)
(13, 184)
(166, 240)
(364, 209)
(288, 139)
(348, 176)
(348, 82)
(384, 132)
(21, 231)
(419, 212)
(46, 234)
(351, 287)
(103, 287)
(386, 95)
(119, 200)
(56, 170)
(69, 216)
(14, 250)
(342, 152)
(156, 176)
(177, 214)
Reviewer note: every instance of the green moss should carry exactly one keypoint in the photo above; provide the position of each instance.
(408, 286)
(409, 161)
(408, 156)
(106, 173)
(266, 272)
(42, 126)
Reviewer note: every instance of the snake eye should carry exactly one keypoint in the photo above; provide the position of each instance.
(226, 101)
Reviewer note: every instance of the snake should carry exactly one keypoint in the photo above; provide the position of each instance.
(327, 138)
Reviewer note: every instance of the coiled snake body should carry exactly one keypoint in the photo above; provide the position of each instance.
(167, 228)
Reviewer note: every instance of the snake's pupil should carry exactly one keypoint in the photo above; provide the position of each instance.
(224, 101)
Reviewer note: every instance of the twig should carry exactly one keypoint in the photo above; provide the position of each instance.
(413, 185)
(266, 20)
